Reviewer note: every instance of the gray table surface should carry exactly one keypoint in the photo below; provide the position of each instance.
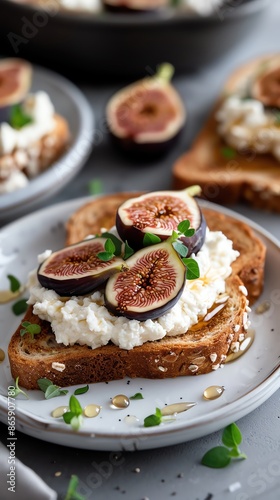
(172, 471)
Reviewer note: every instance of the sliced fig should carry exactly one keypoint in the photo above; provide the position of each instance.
(77, 270)
(152, 284)
(15, 80)
(134, 5)
(159, 213)
(266, 87)
(147, 116)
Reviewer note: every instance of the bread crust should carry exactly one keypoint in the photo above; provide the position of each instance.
(249, 177)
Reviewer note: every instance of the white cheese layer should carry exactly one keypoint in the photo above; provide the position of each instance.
(85, 320)
(40, 109)
(245, 124)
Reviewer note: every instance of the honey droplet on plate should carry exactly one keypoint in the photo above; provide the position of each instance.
(213, 392)
(59, 411)
(120, 401)
(176, 408)
(131, 420)
(2, 355)
(92, 410)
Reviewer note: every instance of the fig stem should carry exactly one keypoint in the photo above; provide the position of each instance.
(194, 190)
(165, 72)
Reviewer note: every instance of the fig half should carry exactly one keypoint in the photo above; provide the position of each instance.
(134, 5)
(159, 213)
(77, 270)
(152, 283)
(147, 116)
(15, 81)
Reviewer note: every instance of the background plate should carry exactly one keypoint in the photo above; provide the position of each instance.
(248, 382)
(73, 106)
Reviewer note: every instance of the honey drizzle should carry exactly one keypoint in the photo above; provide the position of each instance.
(8, 296)
(212, 311)
(175, 408)
(244, 346)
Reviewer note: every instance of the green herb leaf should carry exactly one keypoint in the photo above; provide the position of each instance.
(20, 307)
(31, 328)
(192, 272)
(115, 240)
(128, 251)
(75, 406)
(50, 390)
(183, 226)
(67, 416)
(228, 153)
(232, 436)
(217, 457)
(154, 419)
(76, 422)
(180, 248)
(150, 239)
(72, 493)
(277, 118)
(137, 395)
(14, 283)
(109, 246)
(44, 383)
(18, 391)
(95, 186)
(105, 256)
(18, 117)
(81, 390)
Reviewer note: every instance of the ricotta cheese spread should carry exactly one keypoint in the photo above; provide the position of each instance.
(86, 321)
(40, 109)
(202, 7)
(246, 124)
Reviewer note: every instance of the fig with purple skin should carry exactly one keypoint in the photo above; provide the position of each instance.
(147, 116)
(152, 283)
(159, 213)
(77, 269)
(134, 5)
(15, 81)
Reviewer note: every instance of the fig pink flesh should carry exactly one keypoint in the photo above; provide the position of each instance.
(147, 110)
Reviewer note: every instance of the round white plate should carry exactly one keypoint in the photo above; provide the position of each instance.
(73, 106)
(248, 381)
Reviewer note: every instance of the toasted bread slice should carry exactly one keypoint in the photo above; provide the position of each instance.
(249, 177)
(200, 350)
(40, 155)
(100, 212)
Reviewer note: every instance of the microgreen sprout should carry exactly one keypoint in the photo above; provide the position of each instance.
(95, 186)
(81, 390)
(31, 328)
(72, 493)
(18, 391)
(14, 283)
(137, 395)
(50, 390)
(109, 249)
(228, 153)
(221, 456)
(154, 419)
(74, 415)
(18, 117)
(128, 251)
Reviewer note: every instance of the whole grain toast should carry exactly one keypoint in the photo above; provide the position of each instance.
(248, 177)
(100, 213)
(48, 149)
(200, 350)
